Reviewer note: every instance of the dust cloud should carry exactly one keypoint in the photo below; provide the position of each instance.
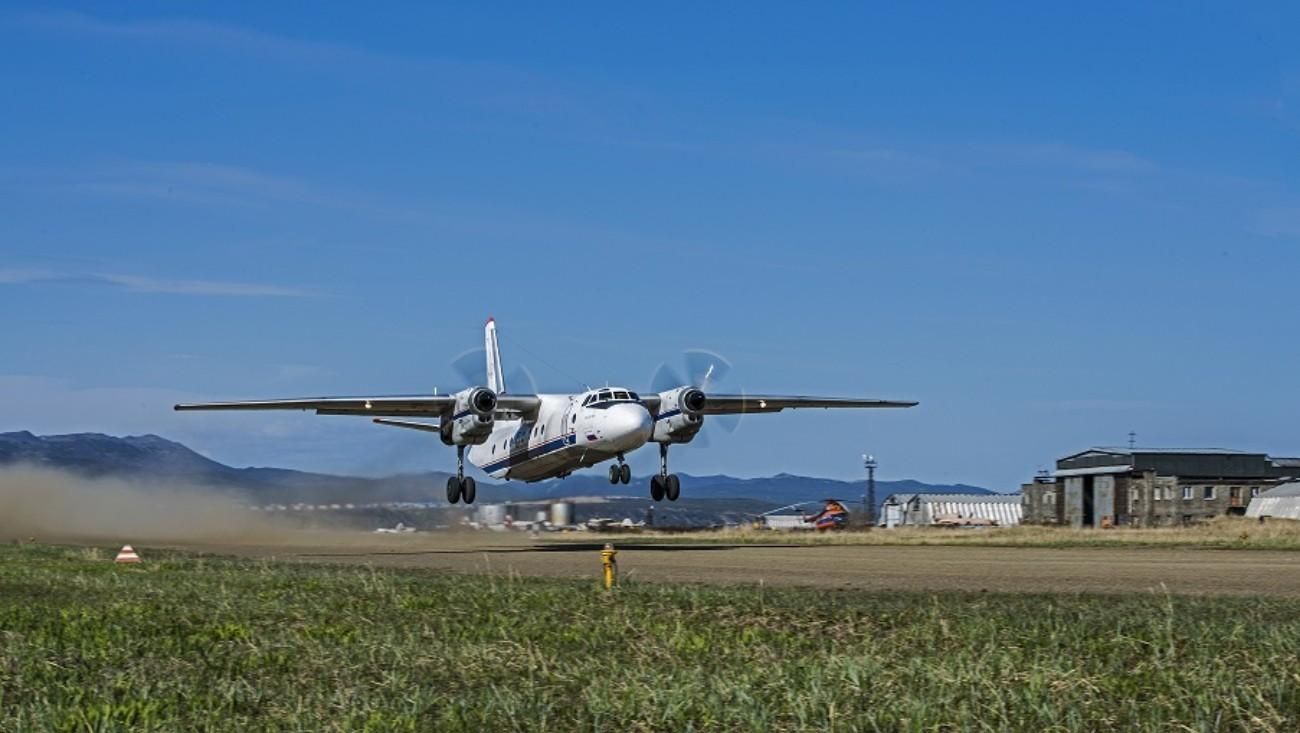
(50, 505)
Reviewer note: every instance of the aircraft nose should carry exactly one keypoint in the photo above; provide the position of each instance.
(629, 426)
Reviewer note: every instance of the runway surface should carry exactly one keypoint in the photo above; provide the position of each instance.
(934, 568)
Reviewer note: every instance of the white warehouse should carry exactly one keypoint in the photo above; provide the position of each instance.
(951, 510)
(1282, 502)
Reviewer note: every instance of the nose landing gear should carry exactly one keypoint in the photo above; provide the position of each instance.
(665, 485)
(461, 486)
(621, 473)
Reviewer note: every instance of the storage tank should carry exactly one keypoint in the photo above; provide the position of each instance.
(490, 514)
(562, 513)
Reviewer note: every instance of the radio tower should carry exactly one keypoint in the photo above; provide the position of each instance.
(869, 498)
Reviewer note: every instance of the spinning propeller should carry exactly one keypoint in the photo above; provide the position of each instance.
(472, 367)
(705, 370)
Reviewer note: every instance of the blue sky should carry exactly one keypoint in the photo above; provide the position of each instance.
(1051, 226)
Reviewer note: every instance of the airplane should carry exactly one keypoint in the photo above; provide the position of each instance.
(532, 437)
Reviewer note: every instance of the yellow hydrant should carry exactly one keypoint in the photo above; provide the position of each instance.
(609, 564)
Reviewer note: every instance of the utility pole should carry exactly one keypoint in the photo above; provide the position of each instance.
(869, 498)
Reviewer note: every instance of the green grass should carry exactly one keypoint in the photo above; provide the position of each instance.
(187, 643)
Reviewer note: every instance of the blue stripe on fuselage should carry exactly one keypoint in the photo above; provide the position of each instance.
(530, 453)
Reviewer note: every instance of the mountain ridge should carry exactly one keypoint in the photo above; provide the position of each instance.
(156, 459)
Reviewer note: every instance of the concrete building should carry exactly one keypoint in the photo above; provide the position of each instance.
(929, 510)
(1282, 502)
(1140, 487)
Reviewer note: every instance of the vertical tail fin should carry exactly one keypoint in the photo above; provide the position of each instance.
(496, 380)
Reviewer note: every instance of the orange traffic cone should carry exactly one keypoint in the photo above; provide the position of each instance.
(126, 556)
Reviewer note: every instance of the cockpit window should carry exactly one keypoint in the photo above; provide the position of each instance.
(633, 396)
(604, 394)
(587, 401)
(620, 395)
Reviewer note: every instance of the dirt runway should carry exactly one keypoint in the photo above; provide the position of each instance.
(936, 568)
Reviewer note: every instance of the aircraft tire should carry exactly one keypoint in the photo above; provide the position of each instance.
(625, 474)
(613, 474)
(468, 489)
(453, 490)
(657, 488)
(672, 487)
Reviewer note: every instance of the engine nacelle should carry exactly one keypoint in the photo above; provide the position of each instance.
(679, 416)
(472, 419)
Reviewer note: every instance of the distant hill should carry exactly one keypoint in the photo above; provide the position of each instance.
(154, 459)
(780, 489)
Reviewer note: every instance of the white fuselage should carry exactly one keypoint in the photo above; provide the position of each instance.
(570, 432)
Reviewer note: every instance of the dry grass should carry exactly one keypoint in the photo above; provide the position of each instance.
(1223, 533)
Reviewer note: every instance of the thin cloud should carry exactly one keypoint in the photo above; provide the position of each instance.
(201, 184)
(141, 284)
(1064, 155)
(1278, 221)
(199, 32)
(499, 87)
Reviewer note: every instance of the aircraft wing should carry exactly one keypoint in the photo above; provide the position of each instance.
(734, 404)
(394, 406)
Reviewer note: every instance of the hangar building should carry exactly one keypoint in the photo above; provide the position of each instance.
(928, 510)
(1142, 487)
(1282, 502)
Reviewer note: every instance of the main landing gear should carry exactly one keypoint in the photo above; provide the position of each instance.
(665, 485)
(620, 474)
(461, 486)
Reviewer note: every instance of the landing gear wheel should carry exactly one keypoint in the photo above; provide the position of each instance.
(657, 488)
(614, 474)
(672, 487)
(468, 489)
(625, 473)
(453, 490)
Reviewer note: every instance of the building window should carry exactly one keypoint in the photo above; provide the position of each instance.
(1207, 493)
(1254, 491)
(1049, 498)
(1187, 493)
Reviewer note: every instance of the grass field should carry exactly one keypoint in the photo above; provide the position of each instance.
(200, 643)
(1226, 533)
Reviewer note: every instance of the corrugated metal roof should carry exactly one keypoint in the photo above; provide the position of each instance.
(926, 509)
(1095, 470)
(1126, 451)
(977, 498)
(1291, 489)
(1281, 501)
